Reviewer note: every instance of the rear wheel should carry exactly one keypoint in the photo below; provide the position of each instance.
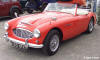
(29, 11)
(51, 43)
(90, 26)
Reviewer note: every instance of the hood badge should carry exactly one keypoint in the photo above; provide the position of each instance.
(21, 24)
(53, 19)
(26, 23)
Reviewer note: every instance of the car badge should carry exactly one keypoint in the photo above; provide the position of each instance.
(21, 25)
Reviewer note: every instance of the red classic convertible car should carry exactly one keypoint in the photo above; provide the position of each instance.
(46, 30)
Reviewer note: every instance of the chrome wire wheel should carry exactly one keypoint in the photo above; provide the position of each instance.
(91, 26)
(51, 43)
(54, 43)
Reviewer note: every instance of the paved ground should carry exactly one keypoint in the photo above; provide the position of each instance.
(83, 47)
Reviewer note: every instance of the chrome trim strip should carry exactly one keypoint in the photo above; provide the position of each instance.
(26, 23)
(23, 43)
(24, 29)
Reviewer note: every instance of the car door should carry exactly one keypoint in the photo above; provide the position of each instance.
(4, 7)
(80, 24)
(72, 27)
(68, 26)
(75, 26)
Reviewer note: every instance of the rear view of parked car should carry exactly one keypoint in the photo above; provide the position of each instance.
(10, 8)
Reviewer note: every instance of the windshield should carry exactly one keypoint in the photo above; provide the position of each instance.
(61, 7)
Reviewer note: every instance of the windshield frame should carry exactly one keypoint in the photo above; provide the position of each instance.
(57, 6)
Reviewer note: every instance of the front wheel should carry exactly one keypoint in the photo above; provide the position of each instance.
(51, 43)
(29, 11)
(14, 13)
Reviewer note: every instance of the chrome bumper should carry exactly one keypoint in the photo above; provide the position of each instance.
(22, 43)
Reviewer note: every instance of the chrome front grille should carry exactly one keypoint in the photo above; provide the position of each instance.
(22, 33)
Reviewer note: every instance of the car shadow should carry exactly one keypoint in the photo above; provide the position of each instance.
(38, 52)
(29, 52)
(74, 39)
(4, 19)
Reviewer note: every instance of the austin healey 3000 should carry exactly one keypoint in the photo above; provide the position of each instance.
(46, 30)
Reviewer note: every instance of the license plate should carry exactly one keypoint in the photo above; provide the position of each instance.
(19, 45)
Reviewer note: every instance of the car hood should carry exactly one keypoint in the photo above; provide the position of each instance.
(38, 19)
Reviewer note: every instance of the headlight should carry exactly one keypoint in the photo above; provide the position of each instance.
(36, 33)
(6, 26)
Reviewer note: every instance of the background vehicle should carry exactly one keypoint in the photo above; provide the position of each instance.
(22, 2)
(10, 8)
(37, 5)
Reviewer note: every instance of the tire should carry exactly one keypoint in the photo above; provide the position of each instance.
(51, 43)
(43, 7)
(90, 26)
(14, 13)
(29, 11)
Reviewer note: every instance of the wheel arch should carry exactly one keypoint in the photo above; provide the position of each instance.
(93, 19)
(15, 7)
(92, 16)
(59, 30)
(46, 42)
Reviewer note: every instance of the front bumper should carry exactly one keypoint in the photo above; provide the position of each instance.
(22, 43)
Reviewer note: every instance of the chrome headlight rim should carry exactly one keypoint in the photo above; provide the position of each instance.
(6, 26)
(36, 33)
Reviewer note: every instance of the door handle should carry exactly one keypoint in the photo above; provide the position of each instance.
(68, 24)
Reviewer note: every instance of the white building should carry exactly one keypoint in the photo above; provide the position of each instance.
(92, 4)
(98, 2)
